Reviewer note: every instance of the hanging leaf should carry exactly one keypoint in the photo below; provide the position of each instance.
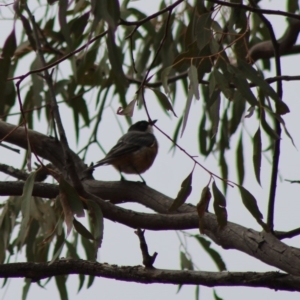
(60, 281)
(215, 256)
(194, 82)
(240, 160)
(164, 78)
(240, 81)
(82, 230)
(238, 109)
(250, 110)
(26, 200)
(216, 297)
(60, 242)
(214, 113)
(219, 206)
(128, 110)
(96, 220)
(164, 101)
(257, 154)
(266, 127)
(203, 31)
(202, 207)
(26, 288)
(222, 82)
(184, 192)
(73, 198)
(187, 110)
(250, 203)
(185, 263)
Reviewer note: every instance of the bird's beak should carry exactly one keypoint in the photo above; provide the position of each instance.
(152, 122)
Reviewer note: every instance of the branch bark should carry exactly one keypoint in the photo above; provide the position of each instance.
(139, 274)
(261, 245)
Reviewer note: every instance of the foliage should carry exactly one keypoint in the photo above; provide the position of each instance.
(217, 51)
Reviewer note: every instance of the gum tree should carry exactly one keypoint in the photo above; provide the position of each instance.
(216, 52)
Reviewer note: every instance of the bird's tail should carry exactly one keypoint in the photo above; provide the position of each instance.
(99, 163)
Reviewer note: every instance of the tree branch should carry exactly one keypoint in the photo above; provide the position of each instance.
(37, 271)
(255, 9)
(261, 245)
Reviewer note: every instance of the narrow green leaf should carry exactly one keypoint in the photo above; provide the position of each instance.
(26, 288)
(82, 230)
(216, 297)
(215, 256)
(292, 6)
(96, 219)
(72, 196)
(266, 127)
(219, 206)
(7, 88)
(10, 45)
(68, 213)
(254, 76)
(108, 10)
(257, 154)
(240, 81)
(185, 263)
(164, 101)
(89, 249)
(282, 108)
(164, 78)
(60, 242)
(187, 110)
(194, 82)
(250, 203)
(224, 169)
(184, 192)
(222, 82)
(240, 160)
(197, 292)
(90, 282)
(81, 282)
(214, 113)
(202, 207)
(179, 288)
(37, 82)
(71, 250)
(116, 60)
(203, 32)
(238, 110)
(128, 110)
(26, 199)
(62, 17)
(61, 286)
(176, 133)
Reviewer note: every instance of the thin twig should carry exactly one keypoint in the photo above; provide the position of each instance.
(70, 166)
(256, 10)
(148, 260)
(229, 182)
(46, 67)
(287, 234)
(276, 154)
(16, 173)
(141, 88)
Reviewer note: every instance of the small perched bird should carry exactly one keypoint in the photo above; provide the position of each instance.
(135, 151)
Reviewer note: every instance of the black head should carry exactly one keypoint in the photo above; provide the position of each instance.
(143, 126)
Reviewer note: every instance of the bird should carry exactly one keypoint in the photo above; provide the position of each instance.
(134, 152)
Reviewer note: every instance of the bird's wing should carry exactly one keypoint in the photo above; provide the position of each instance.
(128, 143)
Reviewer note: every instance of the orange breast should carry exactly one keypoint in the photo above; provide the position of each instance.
(137, 162)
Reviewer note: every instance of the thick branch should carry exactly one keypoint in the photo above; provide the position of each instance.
(261, 245)
(44, 146)
(37, 271)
